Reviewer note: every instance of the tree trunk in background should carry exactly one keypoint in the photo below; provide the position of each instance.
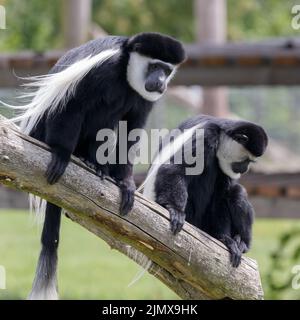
(211, 26)
(76, 17)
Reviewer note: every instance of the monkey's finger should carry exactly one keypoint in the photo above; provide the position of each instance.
(237, 239)
(99, 173)
(90, 164)
(243, 247)
(235, 259)
(176, 220)
(176, 227)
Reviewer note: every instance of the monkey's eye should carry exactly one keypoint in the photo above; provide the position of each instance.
(168, 71)
(241, 138)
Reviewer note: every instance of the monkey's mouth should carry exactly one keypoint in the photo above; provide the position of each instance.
(155, 86)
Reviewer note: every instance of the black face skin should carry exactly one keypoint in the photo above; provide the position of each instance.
(156, 77)
(241, 167)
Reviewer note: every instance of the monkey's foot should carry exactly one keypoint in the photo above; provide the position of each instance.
(177, 219)
(234, 251)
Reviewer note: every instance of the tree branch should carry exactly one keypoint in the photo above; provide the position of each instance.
(192, 264)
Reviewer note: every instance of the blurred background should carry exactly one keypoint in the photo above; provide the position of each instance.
(243, 62)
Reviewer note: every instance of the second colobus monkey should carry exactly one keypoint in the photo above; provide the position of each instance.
(213, 200)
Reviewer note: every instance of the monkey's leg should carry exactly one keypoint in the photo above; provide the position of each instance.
(171, 191)
(234, 250)
(242, 214)
(122, 173)
(220, 227)
(62, 133)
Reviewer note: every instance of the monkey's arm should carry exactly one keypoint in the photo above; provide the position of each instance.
(234, 217)
(217, 223)
(123, 173)
(171, 193)
(242, 215)
(62, 134)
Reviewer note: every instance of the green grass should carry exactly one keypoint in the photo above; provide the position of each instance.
(88, 269)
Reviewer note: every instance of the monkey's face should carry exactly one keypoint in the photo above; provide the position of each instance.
(149, 77)
(239, 147)
(234, 159)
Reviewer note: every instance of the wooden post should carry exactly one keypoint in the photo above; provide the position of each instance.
(211, 29)
(76, 16)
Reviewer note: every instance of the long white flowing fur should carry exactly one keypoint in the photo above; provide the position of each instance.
(163, 157)
(37, 208)
(142, 260)
(54, 90)
(41, 291)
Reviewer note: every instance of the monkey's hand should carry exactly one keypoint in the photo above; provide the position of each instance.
(177, 219)
(56, 167)
(234, 250)
(128, 188)
(241, 244)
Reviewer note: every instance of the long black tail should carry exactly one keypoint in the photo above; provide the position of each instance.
(45, 282)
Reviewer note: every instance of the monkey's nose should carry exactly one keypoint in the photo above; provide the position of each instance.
(240, 167)
(155, 86)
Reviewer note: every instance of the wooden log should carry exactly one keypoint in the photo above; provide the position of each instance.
(192, 264)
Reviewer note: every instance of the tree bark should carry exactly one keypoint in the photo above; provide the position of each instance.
(192, 264)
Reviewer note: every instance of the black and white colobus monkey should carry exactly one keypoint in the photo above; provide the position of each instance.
(212, 200)
(90, 88)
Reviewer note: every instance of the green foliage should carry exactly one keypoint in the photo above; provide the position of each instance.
(31, 24)
(36, 24)
(268, 235)
(283, 259)
(88, 269)
(259, 19)
(131, 16)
